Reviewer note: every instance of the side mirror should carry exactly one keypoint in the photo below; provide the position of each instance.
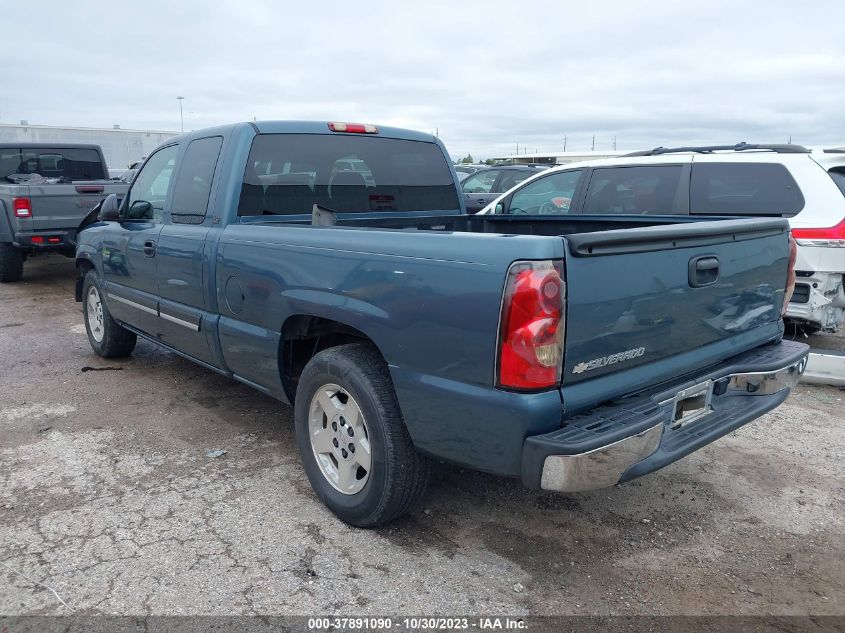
(140, 210)
(499, 208)
(109, 209)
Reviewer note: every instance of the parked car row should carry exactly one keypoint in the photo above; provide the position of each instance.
(788, 181)
(333, 266)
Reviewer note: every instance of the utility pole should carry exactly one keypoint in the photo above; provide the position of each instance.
(181, 116)
(594, 142)
(564, 143)
(614, 142)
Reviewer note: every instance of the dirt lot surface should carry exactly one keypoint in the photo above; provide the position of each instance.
(108, 496)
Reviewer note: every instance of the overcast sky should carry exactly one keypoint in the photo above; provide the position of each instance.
(487, 75)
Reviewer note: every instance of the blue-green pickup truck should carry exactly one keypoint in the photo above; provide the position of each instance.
(332, 266)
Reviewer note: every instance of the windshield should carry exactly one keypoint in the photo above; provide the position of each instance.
(288, 174)
(66, 163)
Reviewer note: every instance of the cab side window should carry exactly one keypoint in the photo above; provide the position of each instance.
(149, 189)
(549, 195)
(193, 184)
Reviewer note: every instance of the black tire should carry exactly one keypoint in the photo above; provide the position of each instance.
(116, 341)
(399, 475)
(11, 263)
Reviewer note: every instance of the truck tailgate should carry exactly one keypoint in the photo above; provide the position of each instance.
(655, 295)
(63, 206)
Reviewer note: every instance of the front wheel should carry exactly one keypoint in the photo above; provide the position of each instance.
(352, 439)
(106, 336)
(11, 263)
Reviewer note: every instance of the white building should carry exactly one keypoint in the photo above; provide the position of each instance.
(121, 147)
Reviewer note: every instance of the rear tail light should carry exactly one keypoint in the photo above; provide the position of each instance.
(532, 326)
(41, 239)
(353, 128)
(832, 236)
(790, 274)
(22, 207)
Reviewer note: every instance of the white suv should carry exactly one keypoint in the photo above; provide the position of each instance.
(807, 187)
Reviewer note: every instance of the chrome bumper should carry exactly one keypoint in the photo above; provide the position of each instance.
(601, 467)
(604, 466)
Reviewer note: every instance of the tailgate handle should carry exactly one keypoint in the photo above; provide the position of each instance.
(89, 189)
(703, 270)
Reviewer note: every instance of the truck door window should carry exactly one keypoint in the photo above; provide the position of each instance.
(633, 190)
(744, 189)
(481, 182)
(549, 195)
(193, 184)
(146, 198)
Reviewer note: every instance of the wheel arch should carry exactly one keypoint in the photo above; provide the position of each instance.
(305, 335)
(83, 265)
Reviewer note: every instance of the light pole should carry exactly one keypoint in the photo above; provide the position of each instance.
(181, 116)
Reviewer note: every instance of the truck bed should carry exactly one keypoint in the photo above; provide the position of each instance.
(629, 284)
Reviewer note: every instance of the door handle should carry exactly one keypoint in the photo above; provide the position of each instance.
(703, 271)
(150, 248)
(480, 200)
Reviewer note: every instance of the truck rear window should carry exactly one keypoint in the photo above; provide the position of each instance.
(68, 163)
(286, 174)
(744, 189)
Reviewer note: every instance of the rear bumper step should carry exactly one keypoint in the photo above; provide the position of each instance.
(643, 433)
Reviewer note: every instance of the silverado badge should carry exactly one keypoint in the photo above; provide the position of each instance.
(612, 359)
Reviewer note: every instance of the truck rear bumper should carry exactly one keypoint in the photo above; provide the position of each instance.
(645, 432)
(46, 241)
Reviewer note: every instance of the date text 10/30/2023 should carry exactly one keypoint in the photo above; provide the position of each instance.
(417, 624)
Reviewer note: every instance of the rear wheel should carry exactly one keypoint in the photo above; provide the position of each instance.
(352, 439)
(11, 263)
(106, 336)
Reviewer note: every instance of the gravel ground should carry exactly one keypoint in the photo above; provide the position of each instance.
(825, 342)
(108, 496)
